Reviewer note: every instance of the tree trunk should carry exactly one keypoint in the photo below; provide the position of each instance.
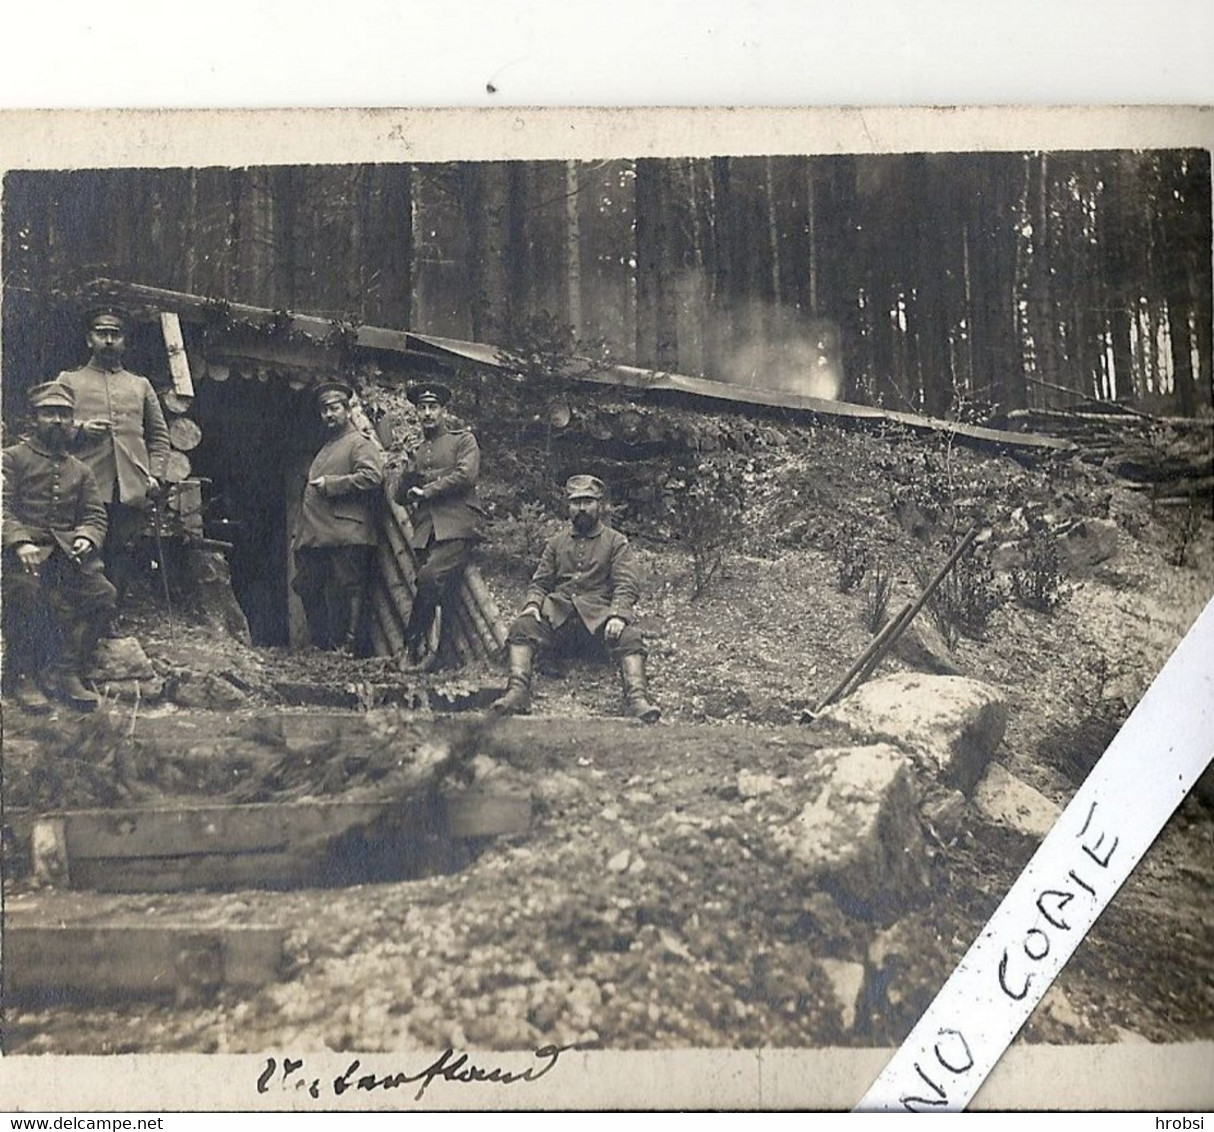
(573, 248)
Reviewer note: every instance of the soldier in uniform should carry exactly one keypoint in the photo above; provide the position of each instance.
(586, 584)
(57, 599)
(337, 537)
(438, 485)
(120, 435)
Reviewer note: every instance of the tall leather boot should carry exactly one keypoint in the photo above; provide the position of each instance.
(348, 642)
(517, 698)
(636, 693)
(73, 661)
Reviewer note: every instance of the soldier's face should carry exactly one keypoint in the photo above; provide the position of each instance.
(53, 424)
(585, 512)
(106, 339)
(431, 415)
(334, 414)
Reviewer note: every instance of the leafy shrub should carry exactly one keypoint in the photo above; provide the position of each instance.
(1184, 535)
(876, 596)
(1039, 583)
(705, 502)
(852, 555)
(966, 598)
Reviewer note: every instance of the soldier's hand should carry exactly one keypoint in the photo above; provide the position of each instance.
(27, 555)
(318, 483)
(613, 628)
(98, 426)
(81, 547)
(533, 611)
(415, 495)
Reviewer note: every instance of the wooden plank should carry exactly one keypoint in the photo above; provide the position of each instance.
(261, 827)
(137, 959)
(179, 364)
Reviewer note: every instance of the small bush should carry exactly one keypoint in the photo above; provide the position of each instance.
(966, 598)
(1039, 583)
(1185, 534)
(852, 555)
(705, 504)
(876, 596)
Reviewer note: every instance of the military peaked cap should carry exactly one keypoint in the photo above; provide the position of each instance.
(585, 487)
(107, 312)
(421, 391)
(52, 393)
(328, 391)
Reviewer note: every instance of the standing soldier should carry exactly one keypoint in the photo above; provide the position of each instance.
(120, 435)
(439, 488)
(56, 596)
(336, 539)
(586, 585)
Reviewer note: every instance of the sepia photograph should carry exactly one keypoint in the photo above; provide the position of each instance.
(471, 609)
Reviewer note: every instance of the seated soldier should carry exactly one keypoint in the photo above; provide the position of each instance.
(586, 585)
(57, 599)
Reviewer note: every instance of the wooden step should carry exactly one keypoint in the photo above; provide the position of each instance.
(259, 845)
(188, 963)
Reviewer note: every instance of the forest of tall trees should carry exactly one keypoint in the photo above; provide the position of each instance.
(940, 283)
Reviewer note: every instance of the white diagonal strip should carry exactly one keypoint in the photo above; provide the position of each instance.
(1119, 810)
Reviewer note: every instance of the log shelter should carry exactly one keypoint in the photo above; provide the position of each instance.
(236, 386)
(235, 381)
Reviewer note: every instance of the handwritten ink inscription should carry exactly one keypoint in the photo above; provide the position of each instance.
(448, 1066)
(951, 1057)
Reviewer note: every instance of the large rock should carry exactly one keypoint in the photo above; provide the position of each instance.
(950, 724)
(859, 838)
(1087, 544)
(906, 966)
(1003, 799)
(922, 647)
(211, 586)
(120, 658)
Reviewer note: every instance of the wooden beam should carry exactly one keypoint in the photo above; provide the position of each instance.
(179, 364)
(254, 845)
(137, 959)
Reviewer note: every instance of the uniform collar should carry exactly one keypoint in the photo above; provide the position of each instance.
(96, 366)
(34, 443)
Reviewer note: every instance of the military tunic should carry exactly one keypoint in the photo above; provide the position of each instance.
(50, 500)
(137, 445)
(446, 468)
(341, 512)
(594, 575)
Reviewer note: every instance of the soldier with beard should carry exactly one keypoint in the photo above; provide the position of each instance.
(585, 586)
(57, 599)
(121, 435)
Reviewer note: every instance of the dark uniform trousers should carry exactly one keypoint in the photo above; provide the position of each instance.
(582, 581)
(326, 579)
(54, 616)
(573, 635)
(440, 572)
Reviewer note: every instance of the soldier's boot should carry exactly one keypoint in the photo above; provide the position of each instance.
(517, 697)
(29, 697)
(636, 692)
(73, 660)
(348, 642)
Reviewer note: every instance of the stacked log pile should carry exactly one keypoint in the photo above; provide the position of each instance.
(1170, 457)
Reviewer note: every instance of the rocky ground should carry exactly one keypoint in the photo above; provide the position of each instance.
(654, 902)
